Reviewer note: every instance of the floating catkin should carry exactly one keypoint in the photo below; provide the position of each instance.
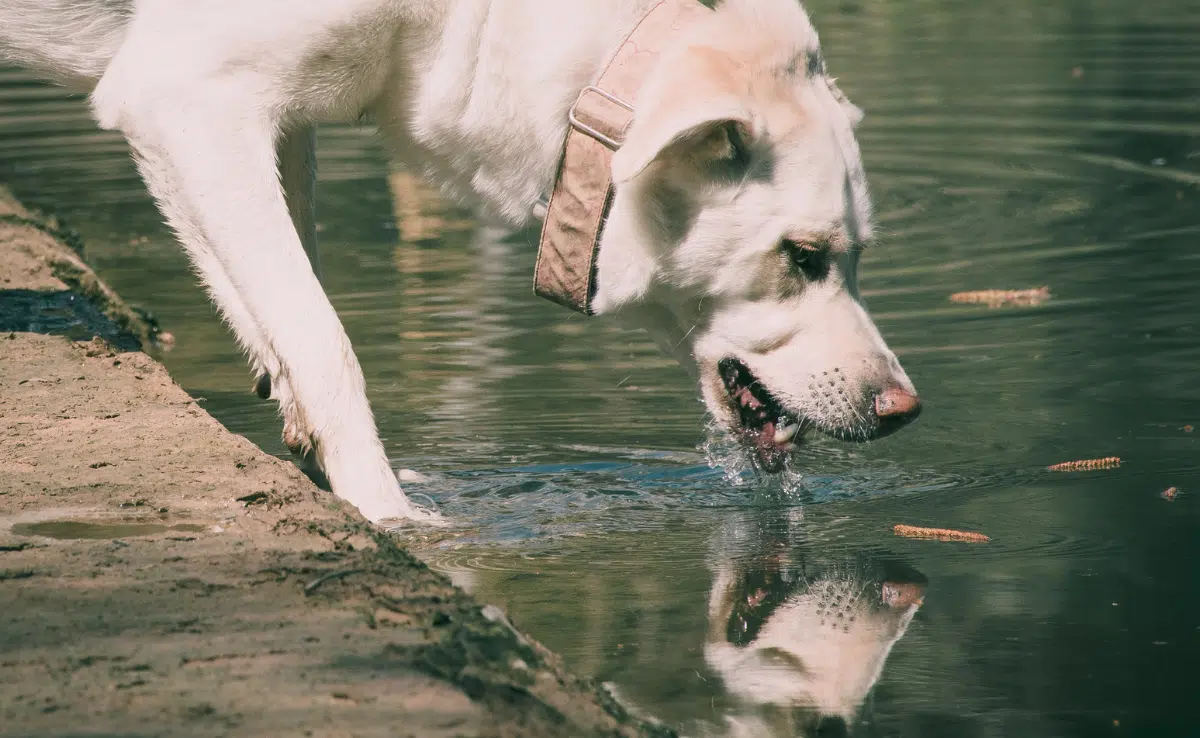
(1108, 462)
(939, 534)
(998, 298)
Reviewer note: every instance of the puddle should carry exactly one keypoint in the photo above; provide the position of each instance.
(67, 530)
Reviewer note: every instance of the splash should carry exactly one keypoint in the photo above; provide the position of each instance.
(735, 461)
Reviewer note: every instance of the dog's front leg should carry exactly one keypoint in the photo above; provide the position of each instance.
(296, 151)
(209, 158)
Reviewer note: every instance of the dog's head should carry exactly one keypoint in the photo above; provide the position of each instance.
(740, 211)
(812, 646)
(803, 632)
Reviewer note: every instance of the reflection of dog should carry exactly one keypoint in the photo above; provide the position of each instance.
(802, 639)
(732, 235)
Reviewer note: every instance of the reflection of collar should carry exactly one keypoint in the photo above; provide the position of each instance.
(566, 264)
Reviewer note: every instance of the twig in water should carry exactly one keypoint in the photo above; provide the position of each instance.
(997, 298)
(1108, 462)
(939, 534)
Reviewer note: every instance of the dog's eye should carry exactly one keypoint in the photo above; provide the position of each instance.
(806, 257)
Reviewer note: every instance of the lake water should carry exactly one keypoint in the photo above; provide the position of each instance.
(1009, 145)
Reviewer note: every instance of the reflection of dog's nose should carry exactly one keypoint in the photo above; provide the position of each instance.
(895, 408)
(902, 595)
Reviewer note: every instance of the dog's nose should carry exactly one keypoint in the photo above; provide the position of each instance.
(895, 408)
(902, 595)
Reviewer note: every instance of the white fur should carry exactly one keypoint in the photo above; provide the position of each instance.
(218, 99)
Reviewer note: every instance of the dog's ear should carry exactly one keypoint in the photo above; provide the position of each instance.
(696, 115)
(853, 112)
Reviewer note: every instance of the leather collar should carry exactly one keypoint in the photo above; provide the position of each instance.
(575, 215)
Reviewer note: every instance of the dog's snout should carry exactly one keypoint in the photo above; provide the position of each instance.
(902, 595)
(896, 407)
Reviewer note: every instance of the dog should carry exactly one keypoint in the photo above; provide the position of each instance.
(735, 213)
(799, 635)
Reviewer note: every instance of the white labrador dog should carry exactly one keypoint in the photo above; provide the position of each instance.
(733, 235)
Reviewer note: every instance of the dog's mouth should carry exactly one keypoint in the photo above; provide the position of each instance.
(771, 430)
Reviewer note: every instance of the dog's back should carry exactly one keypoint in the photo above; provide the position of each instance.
(67, 41)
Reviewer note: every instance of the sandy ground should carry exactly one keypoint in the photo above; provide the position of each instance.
(162, 576)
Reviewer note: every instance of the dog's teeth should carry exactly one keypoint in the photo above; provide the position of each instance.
(786, 433)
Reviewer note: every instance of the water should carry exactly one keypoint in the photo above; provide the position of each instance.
(1009, 146)
(72, 530)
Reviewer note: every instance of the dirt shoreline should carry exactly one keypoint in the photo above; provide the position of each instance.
(162, 576)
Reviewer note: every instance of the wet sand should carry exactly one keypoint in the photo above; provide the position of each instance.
(160, 575)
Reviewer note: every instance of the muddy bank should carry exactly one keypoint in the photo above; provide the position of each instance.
(162, 576)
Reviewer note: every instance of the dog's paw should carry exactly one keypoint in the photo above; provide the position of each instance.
(368, 483)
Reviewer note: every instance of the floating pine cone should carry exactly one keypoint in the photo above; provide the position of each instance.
(998, 298)
(1108, 462)
(939, 534)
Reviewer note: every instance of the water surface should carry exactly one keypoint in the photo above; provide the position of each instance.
(1009, 146)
